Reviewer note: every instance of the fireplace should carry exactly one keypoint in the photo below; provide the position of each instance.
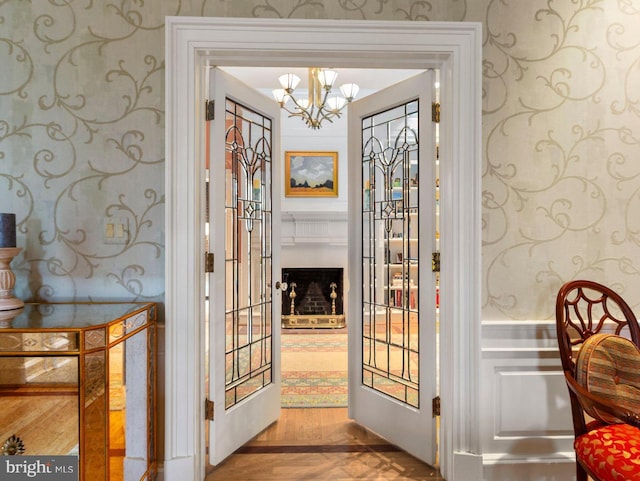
(314, 298)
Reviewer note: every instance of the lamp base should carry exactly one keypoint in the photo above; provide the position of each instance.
(9, 304)
(6, 316)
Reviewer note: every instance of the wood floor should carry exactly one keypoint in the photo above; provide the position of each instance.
(319, 444)
(38, 417)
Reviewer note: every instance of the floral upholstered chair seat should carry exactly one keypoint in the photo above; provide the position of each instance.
(608, 366)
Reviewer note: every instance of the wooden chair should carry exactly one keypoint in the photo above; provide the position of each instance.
(583, 309)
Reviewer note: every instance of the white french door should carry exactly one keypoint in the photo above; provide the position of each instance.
(245, 304)
(392, 306)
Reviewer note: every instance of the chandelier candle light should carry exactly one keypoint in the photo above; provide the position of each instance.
(318, 106)
(10, 306)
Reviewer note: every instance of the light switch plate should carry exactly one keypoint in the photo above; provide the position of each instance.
(115, 230)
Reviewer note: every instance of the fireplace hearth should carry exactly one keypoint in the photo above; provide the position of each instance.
(314, 298)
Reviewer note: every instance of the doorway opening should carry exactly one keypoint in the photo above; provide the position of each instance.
(314, 230)
(194, 43)
(393, 349)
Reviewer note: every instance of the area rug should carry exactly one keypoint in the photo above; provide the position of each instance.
(314, 370)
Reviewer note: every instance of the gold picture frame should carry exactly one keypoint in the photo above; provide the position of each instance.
(310, 174)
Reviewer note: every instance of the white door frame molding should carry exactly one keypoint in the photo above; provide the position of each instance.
(192, 43)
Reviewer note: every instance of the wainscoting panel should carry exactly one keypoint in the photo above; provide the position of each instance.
(526, 416)
(529, 399)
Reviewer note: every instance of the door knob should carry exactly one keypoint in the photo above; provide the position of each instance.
(281, 285)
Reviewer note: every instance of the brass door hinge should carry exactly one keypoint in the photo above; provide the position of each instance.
(435, 262)
(435, 406)
(435, 112)
(208, 410)
(208, 262)
(209, 110)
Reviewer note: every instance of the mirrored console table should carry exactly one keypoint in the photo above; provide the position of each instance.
(80, 379)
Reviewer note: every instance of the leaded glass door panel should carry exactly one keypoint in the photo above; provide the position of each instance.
(392, 316)
(245, 305)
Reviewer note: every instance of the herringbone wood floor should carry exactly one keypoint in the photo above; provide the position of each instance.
(319, 444)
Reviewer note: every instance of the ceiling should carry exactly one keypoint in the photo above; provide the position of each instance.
(265, 79)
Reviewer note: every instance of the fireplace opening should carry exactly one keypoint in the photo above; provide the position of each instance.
(314, 298)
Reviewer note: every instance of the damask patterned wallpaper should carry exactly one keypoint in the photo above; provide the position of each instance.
(82, 140)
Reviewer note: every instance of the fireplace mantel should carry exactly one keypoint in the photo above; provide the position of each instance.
(328, 228)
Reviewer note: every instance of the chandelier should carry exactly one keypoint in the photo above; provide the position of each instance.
(319, 105)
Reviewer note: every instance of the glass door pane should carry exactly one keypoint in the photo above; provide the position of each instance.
(248, 253)
(390, 246)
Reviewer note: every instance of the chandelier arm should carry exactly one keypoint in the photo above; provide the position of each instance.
(291, 113)
(322, 113)
(295, 102)
(324, 100)
(329, 116)
(303, 114)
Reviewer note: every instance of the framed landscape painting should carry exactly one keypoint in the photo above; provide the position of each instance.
(311, 174)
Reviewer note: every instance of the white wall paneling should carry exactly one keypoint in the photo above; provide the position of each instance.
(321, 229)
(526, 416)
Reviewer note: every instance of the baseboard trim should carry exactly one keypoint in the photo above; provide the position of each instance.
(467, 466)
(179, 469)
(535, 468)
(505, 458)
